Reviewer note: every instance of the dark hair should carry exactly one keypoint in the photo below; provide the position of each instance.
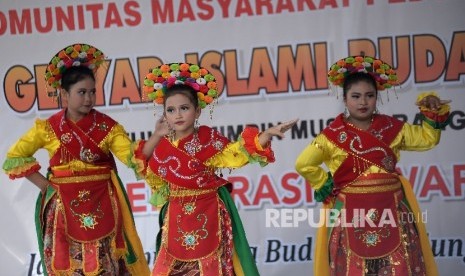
(75, 74)
(182, 89)
(356, 78)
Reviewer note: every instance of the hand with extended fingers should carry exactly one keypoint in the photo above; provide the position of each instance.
(277, 130)
(432, 102)
(162, 128)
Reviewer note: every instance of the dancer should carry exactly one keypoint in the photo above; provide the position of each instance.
(84, 222)
(201, 232)
(361, 148)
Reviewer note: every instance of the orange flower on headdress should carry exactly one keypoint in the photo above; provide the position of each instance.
(161, 78)
(382, 72)
(73, 55)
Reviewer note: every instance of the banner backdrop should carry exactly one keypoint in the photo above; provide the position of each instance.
(271, 59)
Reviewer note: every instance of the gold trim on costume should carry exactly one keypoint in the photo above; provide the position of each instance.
(371, 189)
(79, 179)
(375, 181)
(187, 192)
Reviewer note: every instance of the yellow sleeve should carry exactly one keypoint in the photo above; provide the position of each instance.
(246, 150)
(231, 157)
(128, 152)
(309, 162)
(19, 160)
(118, 143)
(159, 187)
(34, 139)
(416, 138)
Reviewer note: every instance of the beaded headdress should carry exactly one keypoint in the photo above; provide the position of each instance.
(73, 55)
(163, 77)
(382, 72)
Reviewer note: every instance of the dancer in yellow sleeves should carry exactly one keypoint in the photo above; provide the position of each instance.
(201, 231)
(360, 148)
(84, 222)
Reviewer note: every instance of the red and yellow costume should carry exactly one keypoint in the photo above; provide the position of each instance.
(362, 177)
(201, 232)
(84, 222)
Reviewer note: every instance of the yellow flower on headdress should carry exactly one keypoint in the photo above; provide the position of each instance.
(161, 78)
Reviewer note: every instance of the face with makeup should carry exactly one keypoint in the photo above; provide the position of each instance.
(181, 111)
(78, 90)
(361, 101)
(360, 97)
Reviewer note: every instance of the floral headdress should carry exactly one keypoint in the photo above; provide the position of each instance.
(72, 55)
(161, 78)
(382, 72)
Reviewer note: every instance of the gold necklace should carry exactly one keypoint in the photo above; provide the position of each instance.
(359, 128)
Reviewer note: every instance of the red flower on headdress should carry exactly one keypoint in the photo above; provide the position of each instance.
(203, 88)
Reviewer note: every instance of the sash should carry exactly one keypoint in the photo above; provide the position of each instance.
(80, 141)
(364, 148)
(184, 165)
(87, 210)
(192, 225)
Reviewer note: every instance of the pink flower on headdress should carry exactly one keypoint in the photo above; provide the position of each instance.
(171, 81)
(192, 84)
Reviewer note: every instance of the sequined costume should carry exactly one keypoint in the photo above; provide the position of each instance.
(84, 222)
(201, 232)
(368, 231)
